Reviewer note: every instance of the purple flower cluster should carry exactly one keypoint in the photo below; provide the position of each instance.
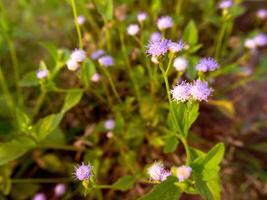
(106, 61)
(258, 40)
(207, 64)
(159, 46)
(97, 54)
(176, 46)
(77, 56)
(164, 22)
(157, 172)
(83, 172)
(225, 4)
(199, 91)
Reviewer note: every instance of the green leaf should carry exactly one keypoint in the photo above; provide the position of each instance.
(214, 156)
(124, 183)
(72, 98)
(87, 71)
(105, 8)
(46, 125)
(29, 79)
(185, 115)
(209, 190)
(171, 144)
(165, 190)
(15, 148)
(191, 33)
(5, 185)
(51, 48)
(23, 121)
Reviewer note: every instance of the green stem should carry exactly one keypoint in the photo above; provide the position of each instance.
(107, 35)
(41, 180)
(103, 186)
(39, 102)
(136, 87)
(179, 7)
(111, 84)
(5, 90)
(187, 150)
(60, 147)
(73, 5)
(168, 92)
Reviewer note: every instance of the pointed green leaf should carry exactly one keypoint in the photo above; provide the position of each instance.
(124, 183)
(165, 190)
(191, 33)
(72, 98)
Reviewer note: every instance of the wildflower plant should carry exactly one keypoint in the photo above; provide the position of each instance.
(128, 95)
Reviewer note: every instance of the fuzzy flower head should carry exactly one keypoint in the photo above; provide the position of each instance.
(96, 77)
(157, 47)
(180, 64)
(39, 196)
(72, 65)
(41, 73)
(133, 29)
(60, 189)
(109, 124)
(141, 16)
(262, 13)
(164, 22)
(175, 47)
(250, 44)
(200, 91)
(106, 61)
(164, 175)
(260, 39)
(97, 54)
(157, 172)
(225, 4)
(181, 92)
(83, 172)
(78, 55)
(207, 64)
(80, 20)
(155, 36)
(183, 172)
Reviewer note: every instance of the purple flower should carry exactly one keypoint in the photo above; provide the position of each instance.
(83, 172)
(41, 73)
(109, 124)
(78, 55)
(60, 189)
(207, 64)
(260, 39)
(96, 77)
(155, 36)
(141, 16)
(183, 172)
(181, 92)
(164, 175)
(180, 64)
(262, 13)
(157, 47)
(225, 4)
(72, 65)
(200, 91)
(80, 20)
(157, 172)
(39, 196)
(97, 54)
(175, 46)
(133, 29)
(164, 22)
(106, 61)
(250, 44)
